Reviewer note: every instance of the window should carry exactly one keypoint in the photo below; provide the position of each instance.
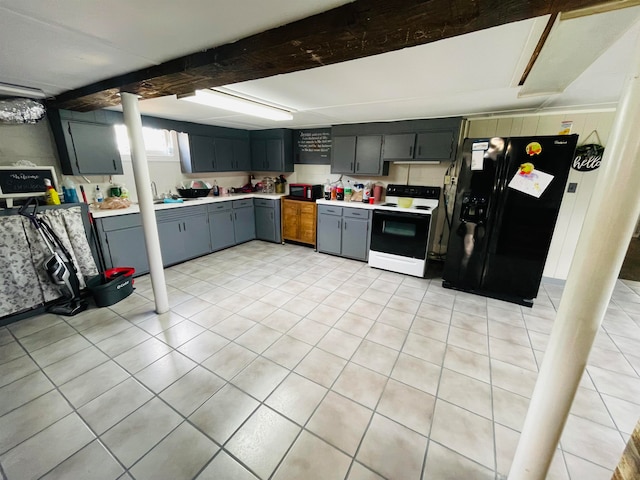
(157, 142)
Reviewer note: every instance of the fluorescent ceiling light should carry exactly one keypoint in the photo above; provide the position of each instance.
(212, 98)
(18, 91)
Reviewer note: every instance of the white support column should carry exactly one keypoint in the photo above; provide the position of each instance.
(145, 200)
(601, 249)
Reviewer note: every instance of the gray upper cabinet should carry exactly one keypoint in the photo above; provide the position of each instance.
(272, 150)
(232, 154)
(367, 148)
(368, 155)
(207, 153)
(343, 154)
(358, 155)
(242, 154)
(399, 146)
(203, 158)
(85, 148)
(422, 140)
(436, 145)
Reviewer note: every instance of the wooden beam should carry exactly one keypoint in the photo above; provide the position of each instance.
(354, 30)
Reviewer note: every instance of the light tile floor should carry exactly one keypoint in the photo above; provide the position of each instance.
(277, 362)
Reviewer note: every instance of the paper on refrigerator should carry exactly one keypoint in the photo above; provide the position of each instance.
(533, 183)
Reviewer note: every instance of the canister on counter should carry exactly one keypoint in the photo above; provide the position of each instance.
(377, 193)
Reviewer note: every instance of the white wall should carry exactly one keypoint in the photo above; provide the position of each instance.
(574, 205)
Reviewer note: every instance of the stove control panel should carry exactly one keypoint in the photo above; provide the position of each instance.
(413, 191)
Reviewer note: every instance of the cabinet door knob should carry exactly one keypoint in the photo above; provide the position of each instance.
(358, 167)
(114, 164)
(411, 151)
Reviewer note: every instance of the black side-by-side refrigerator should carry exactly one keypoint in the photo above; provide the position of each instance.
(507, 201)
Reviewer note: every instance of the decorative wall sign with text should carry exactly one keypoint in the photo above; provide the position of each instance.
(587, 157)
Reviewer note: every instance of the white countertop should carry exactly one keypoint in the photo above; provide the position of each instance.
(134, 208)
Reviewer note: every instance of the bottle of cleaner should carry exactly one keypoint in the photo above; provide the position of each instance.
(51, 196)
(216, 190)
(98, 195)
(124, 191)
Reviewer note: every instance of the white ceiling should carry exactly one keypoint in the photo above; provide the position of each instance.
(66, 44)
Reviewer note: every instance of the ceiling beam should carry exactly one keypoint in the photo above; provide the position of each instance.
(354, 30)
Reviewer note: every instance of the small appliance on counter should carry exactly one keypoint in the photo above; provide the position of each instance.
(401, 229)
(305, 191)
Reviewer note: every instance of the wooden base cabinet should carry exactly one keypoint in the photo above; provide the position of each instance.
(299, 221)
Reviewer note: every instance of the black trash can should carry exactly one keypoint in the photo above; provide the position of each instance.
(116, 284)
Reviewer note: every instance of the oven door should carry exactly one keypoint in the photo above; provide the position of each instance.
(400, 233)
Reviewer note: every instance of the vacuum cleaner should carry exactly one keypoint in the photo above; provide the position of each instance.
(58, 265)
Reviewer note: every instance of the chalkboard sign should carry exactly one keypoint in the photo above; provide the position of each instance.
(22, 182)
(313, 146)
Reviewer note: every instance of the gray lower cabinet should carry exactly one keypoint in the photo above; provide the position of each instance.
(329, 229)
(221, 225)
(184, 233)
(344, 231)
(122, 242)
(268, 223)
(244, 223)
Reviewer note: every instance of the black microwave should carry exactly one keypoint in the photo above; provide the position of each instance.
(305, 191)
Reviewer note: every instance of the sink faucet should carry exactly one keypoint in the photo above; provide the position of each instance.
(154, 190)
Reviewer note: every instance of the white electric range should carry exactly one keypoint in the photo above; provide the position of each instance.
(401, 229)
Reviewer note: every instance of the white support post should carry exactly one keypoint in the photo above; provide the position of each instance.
(145, 200)
(603, 243)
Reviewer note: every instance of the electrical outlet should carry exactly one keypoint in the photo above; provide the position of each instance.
(447, 179)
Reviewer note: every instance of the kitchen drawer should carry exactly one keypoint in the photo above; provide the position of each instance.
(243, 203)
(219, 206)
(326, 210)
(119, 222)
(357, 213)
(179, 213)
(263, 202)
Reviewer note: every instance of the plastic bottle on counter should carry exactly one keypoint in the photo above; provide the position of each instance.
(124, 191)
(98, 195)
(327, 190)
(339, 191)
(216, 189)
(348, 191)
(51, 196)
(366, 192)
